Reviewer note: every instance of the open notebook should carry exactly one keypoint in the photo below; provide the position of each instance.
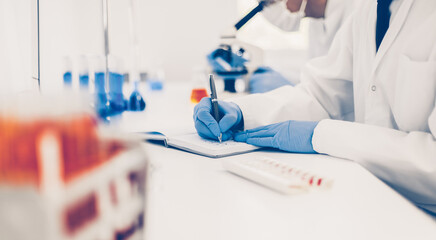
(191, 142)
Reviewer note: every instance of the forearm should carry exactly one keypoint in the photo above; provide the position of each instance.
(407, 161)
(278, 15)
(282, 104)
(316, 8)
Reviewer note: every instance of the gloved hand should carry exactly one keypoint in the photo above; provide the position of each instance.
(265, 79)
(291, 136)
(207, 127)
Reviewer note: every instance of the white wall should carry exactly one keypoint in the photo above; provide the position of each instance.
(179, 34)
(67, 28)
(173, 35)
(15, 54)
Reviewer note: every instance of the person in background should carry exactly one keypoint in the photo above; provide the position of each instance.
(371, 99)
(326, 17)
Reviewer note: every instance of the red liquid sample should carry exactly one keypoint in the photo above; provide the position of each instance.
(197, 94)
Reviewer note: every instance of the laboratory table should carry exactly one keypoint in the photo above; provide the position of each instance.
(192, 197)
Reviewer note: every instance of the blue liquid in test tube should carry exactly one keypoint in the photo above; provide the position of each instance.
(100, 93)
(68, 79)
(84, 81)
(156, 84)
(116, 98)
(67, 70)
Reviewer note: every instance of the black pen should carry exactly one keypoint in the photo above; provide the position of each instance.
(214, 100)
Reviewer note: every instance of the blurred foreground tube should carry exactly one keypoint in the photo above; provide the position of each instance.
(63, 177)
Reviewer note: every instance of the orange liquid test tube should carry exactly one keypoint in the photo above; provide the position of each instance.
(197, 94)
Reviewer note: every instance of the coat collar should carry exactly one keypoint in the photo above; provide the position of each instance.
(392, 32)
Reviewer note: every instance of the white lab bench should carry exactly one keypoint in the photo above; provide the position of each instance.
(192, 197)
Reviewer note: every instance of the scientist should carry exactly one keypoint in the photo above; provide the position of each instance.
(326, 17)
(370, 99)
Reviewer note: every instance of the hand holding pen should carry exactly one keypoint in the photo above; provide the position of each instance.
(219, 122)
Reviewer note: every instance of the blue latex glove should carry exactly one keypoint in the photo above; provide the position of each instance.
(207, 127)
(291, 136)
(265, 79)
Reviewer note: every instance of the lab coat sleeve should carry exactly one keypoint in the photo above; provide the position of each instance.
(335, 13)
(281, 17)
(325, 90)
(282, 104)
(322, 31)
(406, 161)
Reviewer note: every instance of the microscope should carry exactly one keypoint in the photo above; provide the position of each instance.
(235, 59)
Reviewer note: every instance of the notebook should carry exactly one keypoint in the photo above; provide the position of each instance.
(192, 142)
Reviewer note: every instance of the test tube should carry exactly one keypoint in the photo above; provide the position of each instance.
(199, 84)
(116, 81)
(99, 85)
(156, 80)
(67, 75)
(83, 72)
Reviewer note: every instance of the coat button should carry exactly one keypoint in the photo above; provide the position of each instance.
(373, 88)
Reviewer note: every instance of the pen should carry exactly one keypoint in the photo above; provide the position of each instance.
(214, 100)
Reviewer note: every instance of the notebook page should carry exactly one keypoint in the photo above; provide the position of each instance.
(194, 143)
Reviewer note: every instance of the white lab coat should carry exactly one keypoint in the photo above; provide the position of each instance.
(390, 95)
(321, 31)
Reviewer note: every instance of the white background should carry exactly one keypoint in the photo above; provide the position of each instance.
(174, 36)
